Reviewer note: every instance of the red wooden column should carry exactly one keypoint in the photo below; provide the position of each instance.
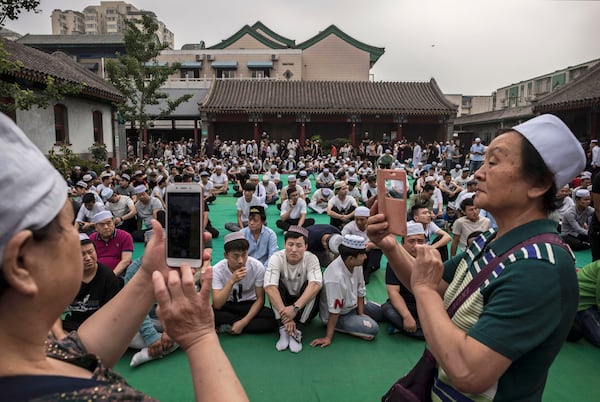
(302, 134)
(196, 132)
(353, 135)
(399, 134)
(256, 132)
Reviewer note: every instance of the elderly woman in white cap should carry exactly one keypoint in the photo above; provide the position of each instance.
(498, 339)
(40, 274)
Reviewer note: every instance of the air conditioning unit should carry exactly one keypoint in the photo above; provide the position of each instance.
(211, 57)
(274, 57)
(199, 57)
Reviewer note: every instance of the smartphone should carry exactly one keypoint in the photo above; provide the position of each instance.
(184, 224)
(391, 198)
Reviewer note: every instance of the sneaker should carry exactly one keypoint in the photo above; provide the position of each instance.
(284, 340)
(296, 342)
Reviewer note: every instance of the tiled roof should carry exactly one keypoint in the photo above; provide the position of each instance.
(327, 97)
(248, 30)
(508, 114)
(580, 93)
(38, 65)
(108, 39)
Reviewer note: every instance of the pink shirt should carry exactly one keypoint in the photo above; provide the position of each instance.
(109, 252)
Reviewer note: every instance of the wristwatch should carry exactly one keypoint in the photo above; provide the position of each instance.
(296, 308)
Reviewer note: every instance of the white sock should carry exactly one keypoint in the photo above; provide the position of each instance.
(143, 356)
(296, 342)
(284, 340)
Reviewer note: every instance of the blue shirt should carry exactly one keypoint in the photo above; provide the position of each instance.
(264, 247)
(477, 148)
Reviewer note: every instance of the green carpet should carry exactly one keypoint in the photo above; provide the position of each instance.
(348, 370)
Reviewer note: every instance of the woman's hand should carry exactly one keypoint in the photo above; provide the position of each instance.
(187, 315)
(428, 268)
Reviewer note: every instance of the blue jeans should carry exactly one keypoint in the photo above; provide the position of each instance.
(589, 322)
(362, 326)
(474, 165)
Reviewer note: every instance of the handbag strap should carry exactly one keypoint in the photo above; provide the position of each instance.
(484, 274)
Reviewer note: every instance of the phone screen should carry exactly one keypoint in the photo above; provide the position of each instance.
(184, 225)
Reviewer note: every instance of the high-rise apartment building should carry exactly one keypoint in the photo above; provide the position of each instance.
(107, 18)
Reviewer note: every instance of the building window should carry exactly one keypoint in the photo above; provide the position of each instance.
(61, 124)
(189, 73)
(98, 130)
(261, 73)
(221, 73)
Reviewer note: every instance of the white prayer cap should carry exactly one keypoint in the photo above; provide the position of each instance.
(557, 145)
(354, 241)
(429, 179)
(362, 211)
(325, 191)
(106, 194)
(414, 228)
(292, 177)
(266, 177)
(477, 139)
(83, 236)
(101, 216)
(233, 236)
(333, 243)
(458, 166)
(139, 189)
(28, 203)
(582, 192)
(87, 177)
(586, 175)
(81, 184)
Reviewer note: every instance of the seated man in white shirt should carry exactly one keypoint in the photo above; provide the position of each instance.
(271, 192)
(238, 295)
(293, 211)
(464, 226)
(292, 281)
(358, 227)
(342, 305)
(319, 200)
(243, 205)
(433, 234)
(220, 181)
(89, 208)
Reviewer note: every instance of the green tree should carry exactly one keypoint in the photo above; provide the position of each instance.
(139, 76)
(23, 97)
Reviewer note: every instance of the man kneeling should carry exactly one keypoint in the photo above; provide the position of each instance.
(342, 306)
(238, 293)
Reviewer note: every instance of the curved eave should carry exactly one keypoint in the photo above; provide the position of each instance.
(38, 77)
(374, 52)
(262, 27)
(406, 112)
(570, 105)
(246, 30)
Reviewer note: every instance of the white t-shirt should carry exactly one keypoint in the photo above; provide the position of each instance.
(121, 207)
(292, 276)
(463, 227)
(342, 205)
(297, 211)
(244, 290)
(341, 289)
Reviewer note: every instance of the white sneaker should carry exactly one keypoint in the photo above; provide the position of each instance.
(284, 340)
(296, 342)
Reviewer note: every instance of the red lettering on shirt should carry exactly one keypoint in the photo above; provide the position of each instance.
(338, 303)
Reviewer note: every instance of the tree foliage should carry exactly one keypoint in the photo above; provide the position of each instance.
(10, 9)
(139, 76)
(23, 97)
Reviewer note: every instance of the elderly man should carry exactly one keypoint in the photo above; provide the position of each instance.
(325, 179)
(271, 192)
(342, 305)
(320, 199)
(292, 281)
(358, 227)
(122, 208)
(147, 207)
(220, 181)
(98, 285)
(576, 221)
(262, 240)
(114, 247)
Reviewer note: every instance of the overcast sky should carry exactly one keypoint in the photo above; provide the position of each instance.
(469, 46)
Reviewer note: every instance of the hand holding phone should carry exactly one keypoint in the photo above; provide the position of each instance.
(184, 224)
(391, 198)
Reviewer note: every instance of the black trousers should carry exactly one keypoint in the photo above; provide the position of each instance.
(306, 313)
(231, 312)
(285, 225)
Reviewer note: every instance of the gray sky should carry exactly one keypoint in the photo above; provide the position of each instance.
(469, 46)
